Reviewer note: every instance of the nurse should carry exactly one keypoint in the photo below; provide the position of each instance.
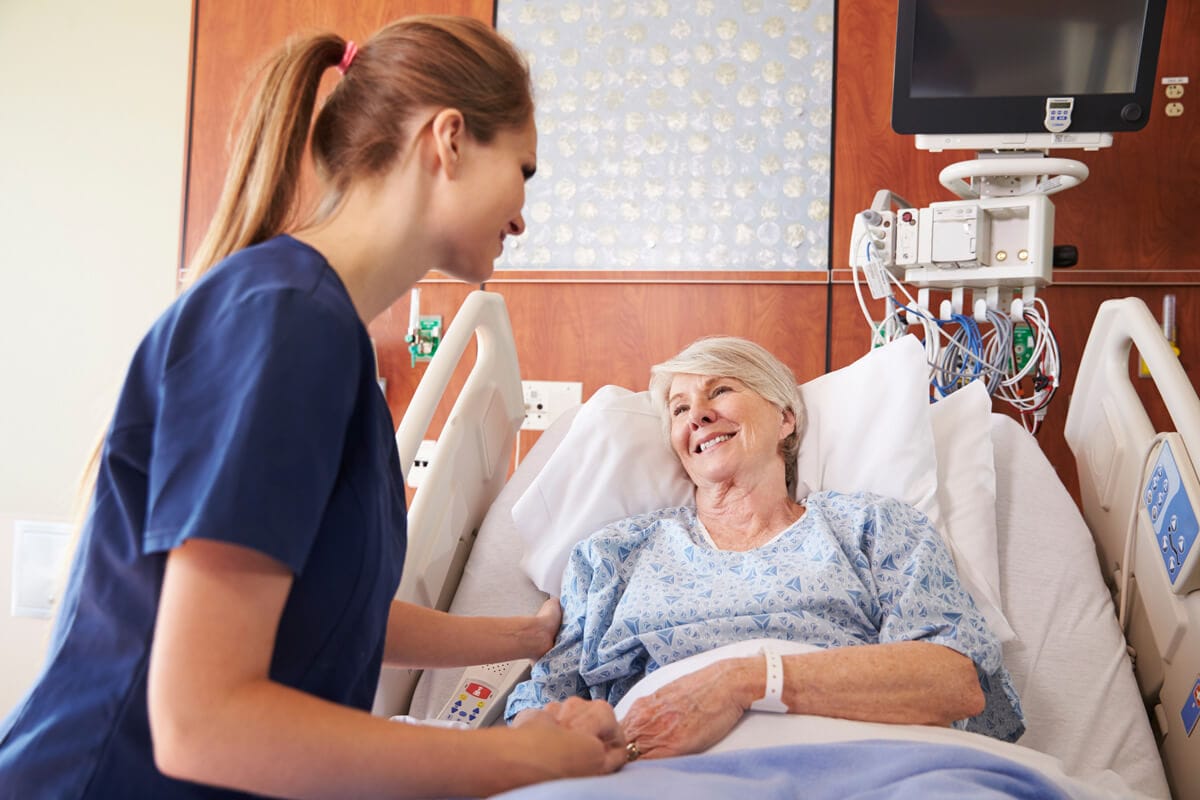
(230, 602)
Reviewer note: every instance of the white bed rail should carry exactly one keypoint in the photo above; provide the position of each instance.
(1112, 436)
(466, 470)
(1107, 427)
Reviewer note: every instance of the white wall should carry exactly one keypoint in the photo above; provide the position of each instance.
(92, 122)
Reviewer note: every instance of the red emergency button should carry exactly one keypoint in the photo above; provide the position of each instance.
(906, 216)
(478, 690)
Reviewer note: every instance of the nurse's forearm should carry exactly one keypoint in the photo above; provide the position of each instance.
(269, 739)
(421, 637)
(900, 682)
(216, 717)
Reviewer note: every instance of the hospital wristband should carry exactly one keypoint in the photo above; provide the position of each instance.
(773, 699)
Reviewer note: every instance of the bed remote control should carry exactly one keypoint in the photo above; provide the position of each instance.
(481, 694)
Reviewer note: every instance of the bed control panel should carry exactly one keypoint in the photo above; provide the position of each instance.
(1169, 498)
(482, 693)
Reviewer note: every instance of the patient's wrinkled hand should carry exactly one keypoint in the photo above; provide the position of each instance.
(688, 715)
(594, 718)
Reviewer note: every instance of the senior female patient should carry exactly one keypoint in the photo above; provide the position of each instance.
(863, 577)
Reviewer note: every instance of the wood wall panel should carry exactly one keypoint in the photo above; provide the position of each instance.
(605, 333)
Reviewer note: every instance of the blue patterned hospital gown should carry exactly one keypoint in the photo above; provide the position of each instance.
(855, 569)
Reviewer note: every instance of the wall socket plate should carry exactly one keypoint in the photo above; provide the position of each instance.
(545, 400)
(421, 462)
(40, 553)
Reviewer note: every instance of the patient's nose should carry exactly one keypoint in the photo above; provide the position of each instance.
(701, 415)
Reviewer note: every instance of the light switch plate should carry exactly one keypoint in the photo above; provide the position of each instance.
(39, 566)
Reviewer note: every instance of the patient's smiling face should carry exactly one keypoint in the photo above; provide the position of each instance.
(722, 431)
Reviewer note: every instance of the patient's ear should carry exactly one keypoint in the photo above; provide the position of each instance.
(789, 424)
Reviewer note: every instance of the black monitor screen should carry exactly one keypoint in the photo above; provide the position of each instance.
(983, 66)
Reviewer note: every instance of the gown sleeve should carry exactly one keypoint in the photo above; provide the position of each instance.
(922, 599)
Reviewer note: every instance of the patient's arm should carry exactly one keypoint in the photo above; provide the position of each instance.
(422, 637)
(899, 682)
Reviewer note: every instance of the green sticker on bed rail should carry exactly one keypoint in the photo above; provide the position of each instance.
(1191, 709)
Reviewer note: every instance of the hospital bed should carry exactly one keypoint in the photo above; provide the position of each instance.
(1088, 725)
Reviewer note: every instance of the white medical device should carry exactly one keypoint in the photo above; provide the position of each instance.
(983, 243)
(1058, 113)
(480, 696)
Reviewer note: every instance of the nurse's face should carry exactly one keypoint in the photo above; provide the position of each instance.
(489, 197)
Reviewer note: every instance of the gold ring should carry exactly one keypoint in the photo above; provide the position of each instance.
(631, 752)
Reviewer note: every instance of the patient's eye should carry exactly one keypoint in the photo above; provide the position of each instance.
(720, 389)
(679, 409)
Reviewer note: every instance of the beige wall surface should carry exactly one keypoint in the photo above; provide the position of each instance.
(92, 115)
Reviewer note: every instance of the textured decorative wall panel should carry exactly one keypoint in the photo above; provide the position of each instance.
(677, 134)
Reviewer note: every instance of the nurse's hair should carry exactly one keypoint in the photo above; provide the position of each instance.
(744, 361)
(416, 64)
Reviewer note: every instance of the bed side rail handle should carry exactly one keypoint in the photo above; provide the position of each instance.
(484, 315)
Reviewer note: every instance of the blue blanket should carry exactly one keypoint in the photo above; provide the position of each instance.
(861, 769)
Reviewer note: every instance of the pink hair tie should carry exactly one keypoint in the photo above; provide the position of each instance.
(347, 57)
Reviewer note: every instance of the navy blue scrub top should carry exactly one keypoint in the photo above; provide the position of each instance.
(250, 415)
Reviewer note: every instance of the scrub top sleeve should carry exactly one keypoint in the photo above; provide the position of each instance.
(251, 425)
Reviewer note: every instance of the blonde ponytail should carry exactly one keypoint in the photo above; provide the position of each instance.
(259, 196)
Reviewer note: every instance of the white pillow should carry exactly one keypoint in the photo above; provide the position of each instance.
(966, 471)
(868, 429)
(614, 462)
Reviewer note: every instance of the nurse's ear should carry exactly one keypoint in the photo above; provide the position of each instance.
(448, 129)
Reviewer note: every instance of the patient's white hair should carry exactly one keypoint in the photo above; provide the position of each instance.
(747, 362)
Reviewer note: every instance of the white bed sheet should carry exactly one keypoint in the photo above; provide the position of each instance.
(1077, 687)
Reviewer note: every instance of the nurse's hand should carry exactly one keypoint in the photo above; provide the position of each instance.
(545, 624)
(692, 713)
(586, 731)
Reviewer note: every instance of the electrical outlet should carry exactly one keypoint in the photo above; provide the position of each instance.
(545, 400)
(1174, 91)
(1174, 109)
(40, 553)
(421, 462)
